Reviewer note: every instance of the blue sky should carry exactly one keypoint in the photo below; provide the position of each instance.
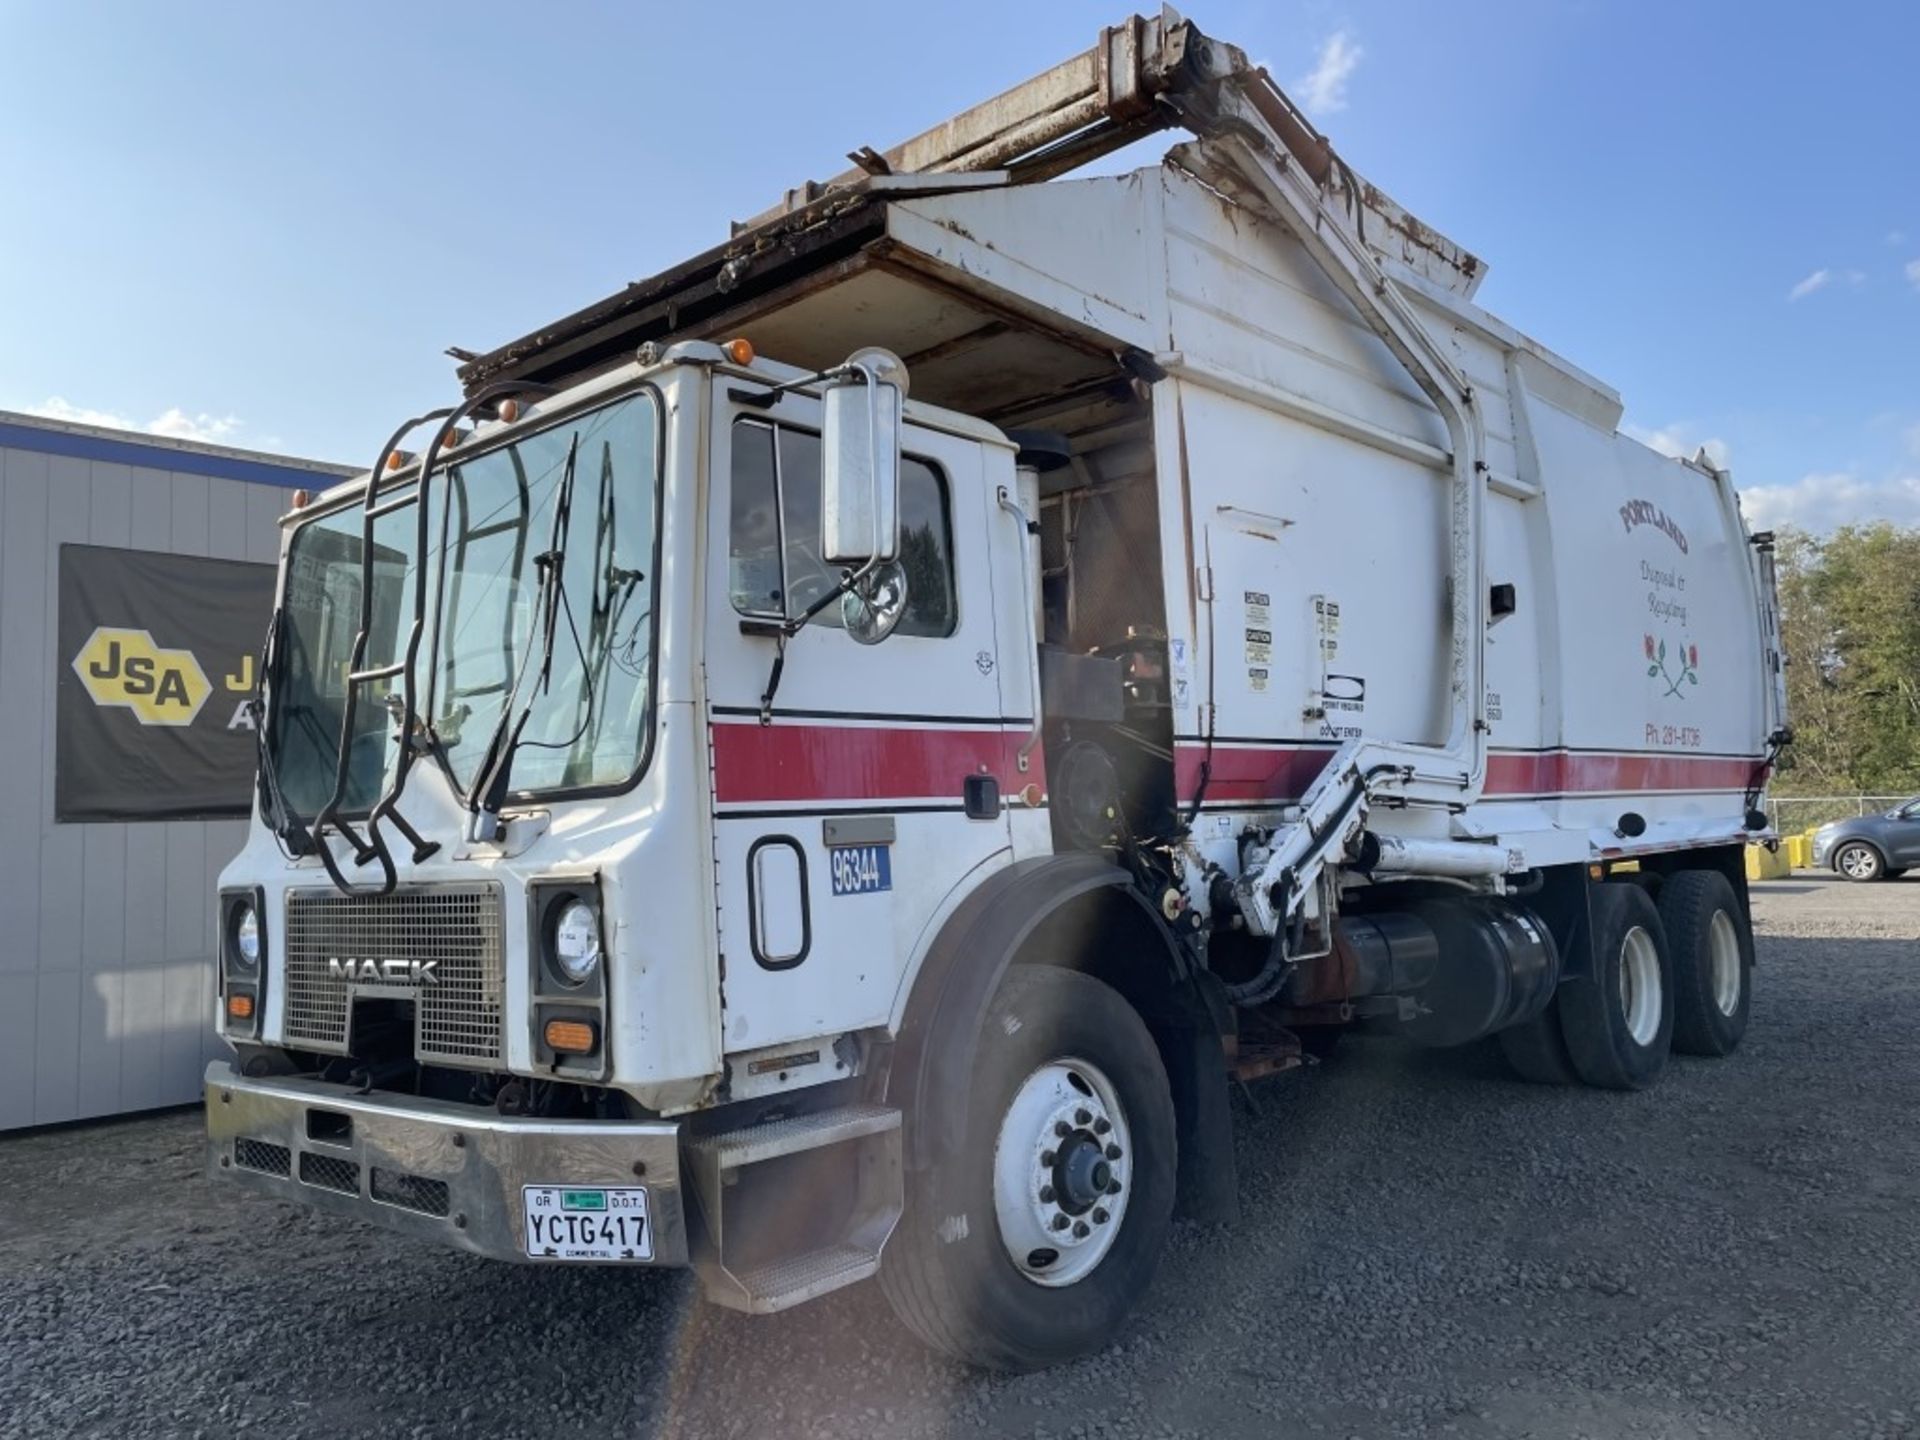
(263, 223)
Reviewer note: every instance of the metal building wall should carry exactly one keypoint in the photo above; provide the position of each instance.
(106, 946)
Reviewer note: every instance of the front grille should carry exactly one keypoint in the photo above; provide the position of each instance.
(329, 1173)
(457, 1019)
(409, 1192)
(262, 1155)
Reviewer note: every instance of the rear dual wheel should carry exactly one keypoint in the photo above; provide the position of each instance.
(1676, 974)
(1712, 944)
(1618, 1021)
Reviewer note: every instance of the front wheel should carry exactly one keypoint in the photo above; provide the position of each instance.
(1029, 1243)
(1858, 861)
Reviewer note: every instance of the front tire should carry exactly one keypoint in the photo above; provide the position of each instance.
(1002, 1258)
(1858, 861)
(1618, 1021)
(1712, 948)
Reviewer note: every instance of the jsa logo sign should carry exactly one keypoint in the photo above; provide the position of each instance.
(125, 667)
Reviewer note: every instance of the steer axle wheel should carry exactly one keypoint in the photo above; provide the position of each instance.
(1029, 1239)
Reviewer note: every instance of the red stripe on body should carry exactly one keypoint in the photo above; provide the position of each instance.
(1573, 772)
(1281, 774)
(780, 763)
(824, 762)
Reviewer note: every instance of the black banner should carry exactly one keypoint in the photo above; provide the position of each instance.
(157, 662)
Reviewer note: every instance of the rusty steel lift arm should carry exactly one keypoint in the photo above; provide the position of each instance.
(1148, 75)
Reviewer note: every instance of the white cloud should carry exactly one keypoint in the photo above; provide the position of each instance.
(1324, 90)
(210, 429)
(1680, 441)
(174, 422)
(1912, 436)
(1896, 237)
(1818, 280)
(1823, 501)
(1913, 273)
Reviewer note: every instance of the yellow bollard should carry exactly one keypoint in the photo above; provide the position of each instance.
(1765, 864)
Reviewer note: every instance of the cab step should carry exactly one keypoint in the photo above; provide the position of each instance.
(743, 1182)
(770, 1139)
(782, 1283)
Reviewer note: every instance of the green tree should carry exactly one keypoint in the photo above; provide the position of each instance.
(1850, 624)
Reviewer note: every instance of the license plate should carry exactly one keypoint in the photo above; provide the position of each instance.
(572, 1222)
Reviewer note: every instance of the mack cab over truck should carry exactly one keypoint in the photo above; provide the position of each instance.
(832, 761)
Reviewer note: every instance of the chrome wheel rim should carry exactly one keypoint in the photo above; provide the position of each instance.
(1640, 985)
(1062, 1172)
(1856, 862)
(1723, 945)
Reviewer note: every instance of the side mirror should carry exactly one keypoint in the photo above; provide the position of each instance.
(860, 460)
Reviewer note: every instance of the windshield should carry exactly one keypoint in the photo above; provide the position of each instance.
(491, 520)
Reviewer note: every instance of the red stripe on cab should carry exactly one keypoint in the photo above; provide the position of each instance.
(794, 762)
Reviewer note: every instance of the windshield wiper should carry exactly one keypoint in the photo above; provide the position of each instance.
(274, 809)
(491, 784)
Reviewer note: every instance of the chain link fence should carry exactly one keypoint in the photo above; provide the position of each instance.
(1792, 814)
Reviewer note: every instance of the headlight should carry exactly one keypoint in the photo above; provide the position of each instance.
(576, 942)
(246, 936)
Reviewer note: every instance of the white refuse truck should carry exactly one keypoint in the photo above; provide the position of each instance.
(834, 760)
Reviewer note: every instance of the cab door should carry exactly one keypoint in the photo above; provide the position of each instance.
(841, 799)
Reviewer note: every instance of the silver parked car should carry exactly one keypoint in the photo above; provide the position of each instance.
(1871, 847)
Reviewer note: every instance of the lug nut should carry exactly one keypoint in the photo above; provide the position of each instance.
(1102, 1125)
(1100, 1216)
(1113, 1152)
(1060, 1222)
(1113, 1188)
(1062, 1129)
(1080, 1231)
(1046, 1157)
(1083, 1117)
(1046, 1194)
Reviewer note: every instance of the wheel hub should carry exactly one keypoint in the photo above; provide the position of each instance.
(1061, 1172)
(1081, 1173)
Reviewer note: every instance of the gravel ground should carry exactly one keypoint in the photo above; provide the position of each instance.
(1428, 1248)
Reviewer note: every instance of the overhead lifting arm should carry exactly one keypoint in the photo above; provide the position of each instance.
(1140, 77)
(1255, 145)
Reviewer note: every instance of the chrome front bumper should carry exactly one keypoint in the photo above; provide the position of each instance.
(448, 1172)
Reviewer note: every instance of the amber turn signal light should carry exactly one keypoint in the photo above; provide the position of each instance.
(240, 1007)
(569, 1037)
(739, 350)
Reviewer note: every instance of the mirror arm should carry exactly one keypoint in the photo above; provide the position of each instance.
(780, 631)
(773, 679)
(767, 399)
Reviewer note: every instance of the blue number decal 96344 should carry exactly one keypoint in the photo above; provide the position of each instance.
(861, 869)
